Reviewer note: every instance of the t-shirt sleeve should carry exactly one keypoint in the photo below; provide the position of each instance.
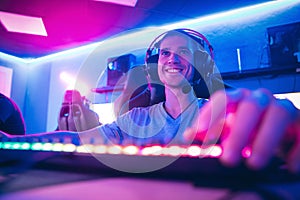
(112, 133)
(126, 129)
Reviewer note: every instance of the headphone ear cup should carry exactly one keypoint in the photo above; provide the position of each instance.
(203, 64)
(156, 86)
(203, 69)
(152, 68)
(152, 59)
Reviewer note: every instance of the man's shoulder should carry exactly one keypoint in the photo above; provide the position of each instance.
(147, 108)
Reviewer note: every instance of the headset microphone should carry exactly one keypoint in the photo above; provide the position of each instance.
(186, 88)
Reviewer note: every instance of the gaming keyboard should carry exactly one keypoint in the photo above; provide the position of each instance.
(173, 161)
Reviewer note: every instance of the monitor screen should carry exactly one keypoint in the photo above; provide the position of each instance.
(284, 45)
(117, 67)
(293, 97)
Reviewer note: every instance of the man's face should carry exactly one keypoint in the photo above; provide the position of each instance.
(175, 61)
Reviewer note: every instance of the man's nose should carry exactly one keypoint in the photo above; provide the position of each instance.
(174, 58)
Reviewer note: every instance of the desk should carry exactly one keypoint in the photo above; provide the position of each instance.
(55, 185)
(73, 175)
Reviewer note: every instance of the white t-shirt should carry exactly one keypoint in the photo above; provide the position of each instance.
(145, 125)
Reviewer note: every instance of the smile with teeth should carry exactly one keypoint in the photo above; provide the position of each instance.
(174, 70)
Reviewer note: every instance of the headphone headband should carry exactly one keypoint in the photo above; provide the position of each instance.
(189, 32)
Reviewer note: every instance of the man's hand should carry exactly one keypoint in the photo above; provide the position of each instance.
(250, 119)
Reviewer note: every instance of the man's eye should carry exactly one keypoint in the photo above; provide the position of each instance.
(184, 52)
(165, 53)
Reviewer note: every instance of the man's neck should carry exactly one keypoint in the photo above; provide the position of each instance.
(177, 101)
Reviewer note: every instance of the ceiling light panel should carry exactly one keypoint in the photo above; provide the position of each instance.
(131, 3)
(23, 24)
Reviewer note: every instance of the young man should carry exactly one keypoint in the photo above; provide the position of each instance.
(237, 119)
(165, 122)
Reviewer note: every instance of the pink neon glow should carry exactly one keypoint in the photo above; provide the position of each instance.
(23, 24)
(69, 148)
(230, 119)
(215, 151)
(115, 149)
(131, 3)
(194, 151)
(246, 152)
(100, 149)
(57, 147)
(82, 149)
(173, 151)
(153, 150)
(131, 150)
(146, 151)
(87, 148)
(71, 81)
(68, 79)
(47, 146)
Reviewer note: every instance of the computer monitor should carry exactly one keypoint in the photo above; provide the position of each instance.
(117, 67)
(284, 45)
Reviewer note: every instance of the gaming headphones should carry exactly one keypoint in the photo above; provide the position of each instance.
(150, 90)
(198, 37)
(203, 58)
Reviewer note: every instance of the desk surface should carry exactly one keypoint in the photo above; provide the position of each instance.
(52, 184)
(65, 175)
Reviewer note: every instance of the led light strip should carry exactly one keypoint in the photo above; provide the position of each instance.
(155, 150)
